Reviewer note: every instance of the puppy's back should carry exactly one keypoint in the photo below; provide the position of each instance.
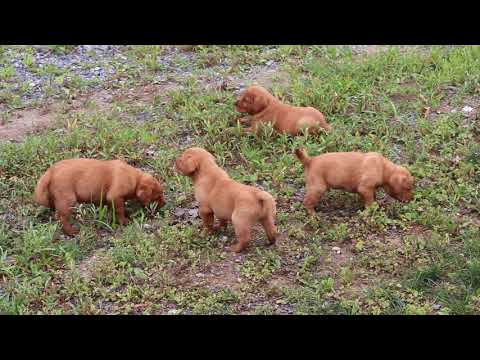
(340, 164)
(88, 167)
(76, 169)
(86, 176)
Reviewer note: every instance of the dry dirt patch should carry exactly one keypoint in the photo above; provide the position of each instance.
(31, 121)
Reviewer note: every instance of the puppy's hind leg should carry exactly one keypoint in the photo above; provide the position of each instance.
(312, 198)
(64, 210)
(243, 225)
(268, 224)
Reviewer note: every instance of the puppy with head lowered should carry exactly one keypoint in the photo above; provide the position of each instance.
(220, 196)
(72, 181)
(263, 107)
(356, 172)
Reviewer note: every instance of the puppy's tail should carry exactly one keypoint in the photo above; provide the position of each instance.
(303, 156)
(267, 202)
(42, 196)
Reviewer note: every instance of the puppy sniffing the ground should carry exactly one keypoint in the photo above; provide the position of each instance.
(356, 172)
(72, 181)
(265, 108)
(218, 195)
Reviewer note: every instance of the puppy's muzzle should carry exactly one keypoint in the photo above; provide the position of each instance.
(160, 203)
(405, 197)
(408, 197)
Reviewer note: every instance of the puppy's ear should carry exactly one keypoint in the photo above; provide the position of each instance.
(144, 193)
(259, 102)
(399, 182)
(187, 165)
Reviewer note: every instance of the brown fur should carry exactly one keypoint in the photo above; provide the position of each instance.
(72, 181)
(218, 195)
(356, 172)
(265, 108)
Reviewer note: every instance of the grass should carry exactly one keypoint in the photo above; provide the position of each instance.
(417, 258)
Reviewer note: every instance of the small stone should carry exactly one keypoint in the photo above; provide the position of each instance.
(200, 275)
(173, 312)
(436, 307)
(467, 109)
(336, 249)
(193, 212)
(180, 212)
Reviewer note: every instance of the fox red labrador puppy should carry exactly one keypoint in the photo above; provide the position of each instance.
(72, 181)
(218, 195)
(263, 107)
(356, 172)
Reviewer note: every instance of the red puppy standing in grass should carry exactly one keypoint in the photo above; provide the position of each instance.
(72, 181)
(263, 107)
(356, 172)
(218, 195)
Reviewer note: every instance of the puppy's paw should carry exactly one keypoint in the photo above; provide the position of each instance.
(215, 229)
(382, 202)
(237, 248)
(208, 231)
(271, 242)
(244, 120)
(311, 212)
(71, 231)
(221, 225)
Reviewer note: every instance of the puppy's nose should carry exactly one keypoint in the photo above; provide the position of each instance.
(408, 197)
(236, 103)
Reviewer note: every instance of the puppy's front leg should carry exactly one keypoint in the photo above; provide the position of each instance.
(207, 218)
(221, 224)
(368, 195)
(244, 120)
(253, 129)
(119, 208)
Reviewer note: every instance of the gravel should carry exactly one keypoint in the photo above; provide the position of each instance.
(97, 64)
(92, 63)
